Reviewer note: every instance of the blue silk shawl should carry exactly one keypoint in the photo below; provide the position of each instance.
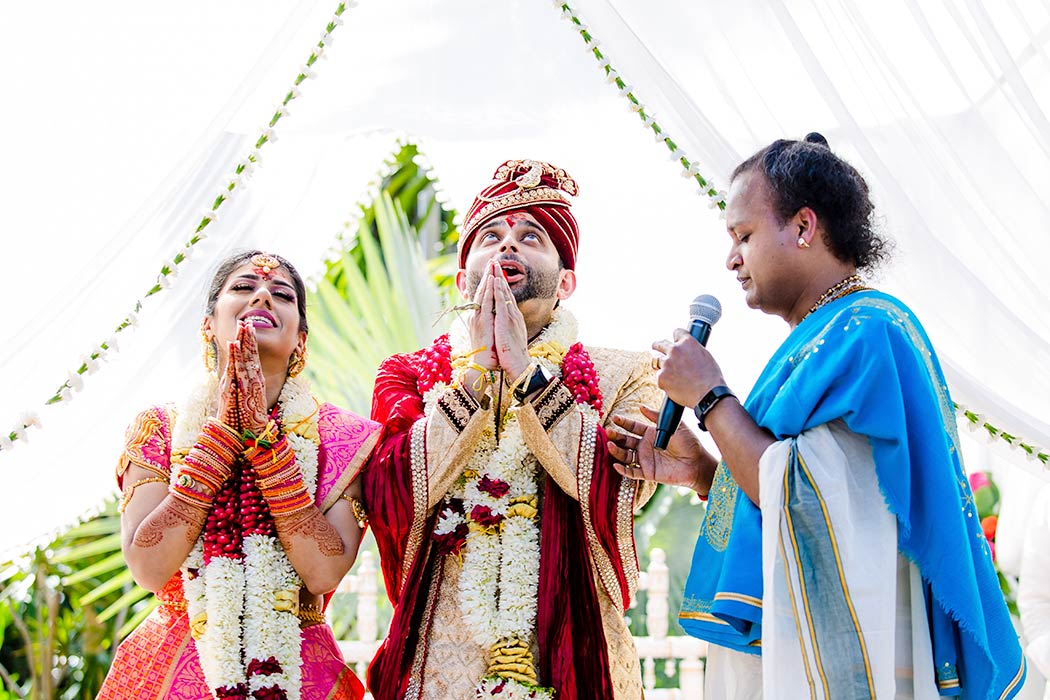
(864, 359)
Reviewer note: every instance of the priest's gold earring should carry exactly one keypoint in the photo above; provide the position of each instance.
(802, 242)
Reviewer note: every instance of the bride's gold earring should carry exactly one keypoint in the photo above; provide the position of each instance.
(297, 363)
(210, 352)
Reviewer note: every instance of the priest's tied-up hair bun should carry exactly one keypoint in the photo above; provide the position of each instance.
(807, 174)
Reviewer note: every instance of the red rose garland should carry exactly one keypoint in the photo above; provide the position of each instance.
(579, 375)
(434, 365)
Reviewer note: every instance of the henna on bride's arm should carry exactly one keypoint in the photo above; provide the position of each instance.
(169, 515)
(310, 524)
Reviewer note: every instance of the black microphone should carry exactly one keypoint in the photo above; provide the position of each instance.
(704, 312)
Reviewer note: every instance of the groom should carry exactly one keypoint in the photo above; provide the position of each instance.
(506, 537)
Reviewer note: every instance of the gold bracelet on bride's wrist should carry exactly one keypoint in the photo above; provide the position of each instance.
(360, 514)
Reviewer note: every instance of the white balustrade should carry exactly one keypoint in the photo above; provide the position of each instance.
(658, 652)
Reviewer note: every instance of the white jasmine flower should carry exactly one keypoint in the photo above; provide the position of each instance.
(75, 381)
(90, 362)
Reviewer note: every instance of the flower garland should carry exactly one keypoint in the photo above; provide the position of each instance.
(975, 421)
(235, 182)
(490, 516)
(242, 593)
(705, 186)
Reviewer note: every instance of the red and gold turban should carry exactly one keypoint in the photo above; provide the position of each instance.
(536, 188)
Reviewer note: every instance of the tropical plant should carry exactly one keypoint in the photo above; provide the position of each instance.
(64, 608)
(382, 297)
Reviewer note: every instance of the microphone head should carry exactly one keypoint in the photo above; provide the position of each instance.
(705, 308)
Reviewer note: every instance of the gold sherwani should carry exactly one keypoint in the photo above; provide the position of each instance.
(431, 653)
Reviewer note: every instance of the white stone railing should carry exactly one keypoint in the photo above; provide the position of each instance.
(659, 653)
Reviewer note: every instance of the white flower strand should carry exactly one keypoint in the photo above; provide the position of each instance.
(499, 581)
(707, 188)
(169, 270)
(226, 591)
(975, 421)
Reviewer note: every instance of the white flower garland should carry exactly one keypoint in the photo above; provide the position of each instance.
(499, 581)
(225, 592)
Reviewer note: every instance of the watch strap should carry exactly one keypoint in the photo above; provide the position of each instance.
(709, 401)
(536, 381)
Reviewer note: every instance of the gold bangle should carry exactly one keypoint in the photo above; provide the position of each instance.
(129, 491)
(360, 514)
(310, 613)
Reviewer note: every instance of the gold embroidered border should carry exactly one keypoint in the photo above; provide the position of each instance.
(457, 406)
(414, 690)
(584, 472)
(625, 533)
(794, 612)
(516, 200)
(418, 458)
(553, 404)
(718, 522)
(1016, 679)
(550, 448)
(739, 598)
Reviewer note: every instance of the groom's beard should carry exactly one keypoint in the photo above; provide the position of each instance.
(538, 284)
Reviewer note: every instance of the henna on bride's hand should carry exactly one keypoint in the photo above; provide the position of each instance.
(228, 411)
(310, 524)
(252, 395)
(171, 513)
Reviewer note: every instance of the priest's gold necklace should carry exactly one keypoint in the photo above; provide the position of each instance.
(848, 286)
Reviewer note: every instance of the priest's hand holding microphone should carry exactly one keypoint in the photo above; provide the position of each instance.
(667, 452)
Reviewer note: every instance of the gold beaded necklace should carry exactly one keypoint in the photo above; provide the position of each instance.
(851, 284)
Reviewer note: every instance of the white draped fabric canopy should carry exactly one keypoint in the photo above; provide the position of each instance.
(123, 120)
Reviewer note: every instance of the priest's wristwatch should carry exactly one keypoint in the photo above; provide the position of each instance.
(539, 379)
(709, 401)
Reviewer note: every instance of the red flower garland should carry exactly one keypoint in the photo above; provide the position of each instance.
(434, 364)
(579, 375)
(484, 516)
(222, 535)
(497, 488)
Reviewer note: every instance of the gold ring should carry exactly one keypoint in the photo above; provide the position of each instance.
(508, 302)
(657, 363)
